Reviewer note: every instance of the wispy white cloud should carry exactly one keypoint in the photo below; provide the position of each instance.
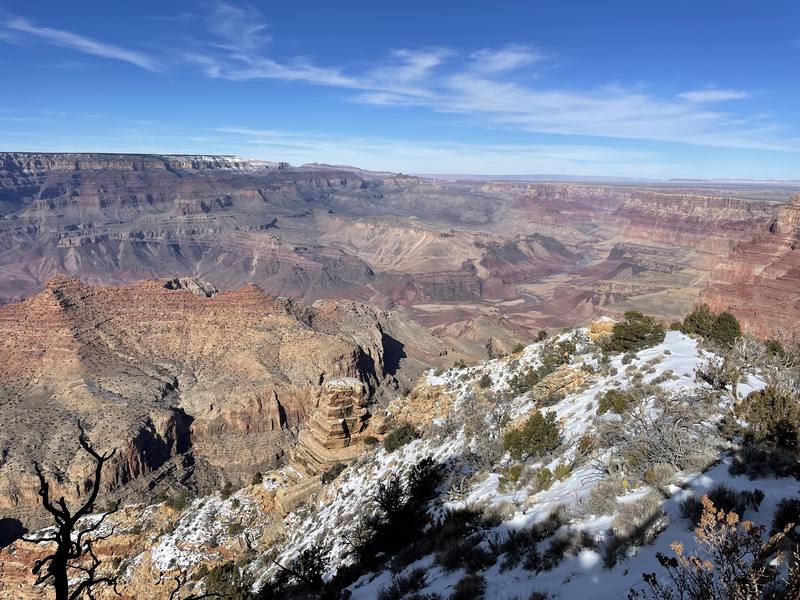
(714, 95)
(509, 58)
(74, 41)
(237, 28)
(235, 51)
(498, 86)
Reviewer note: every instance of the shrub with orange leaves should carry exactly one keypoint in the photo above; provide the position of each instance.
(732, 561)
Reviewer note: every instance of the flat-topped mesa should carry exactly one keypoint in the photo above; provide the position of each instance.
(40, 162)
(336, 427)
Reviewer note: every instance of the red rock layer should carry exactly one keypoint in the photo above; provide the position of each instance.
(759, 281)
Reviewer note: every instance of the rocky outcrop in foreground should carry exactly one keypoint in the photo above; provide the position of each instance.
(193, 387)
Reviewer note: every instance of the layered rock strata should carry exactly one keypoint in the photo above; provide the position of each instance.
(183, 381)
(759, 281)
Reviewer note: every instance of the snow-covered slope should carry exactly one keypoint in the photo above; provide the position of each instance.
(672, 365)
(582, 508)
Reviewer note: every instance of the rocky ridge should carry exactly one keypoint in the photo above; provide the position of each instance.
(192, 386)
(252, 524)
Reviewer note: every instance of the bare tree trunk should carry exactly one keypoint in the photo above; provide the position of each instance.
(73, 544)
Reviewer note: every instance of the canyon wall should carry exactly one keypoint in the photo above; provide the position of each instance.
(470, 260)
(759, 281)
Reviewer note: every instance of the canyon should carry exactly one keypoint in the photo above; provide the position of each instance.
(227, 323)
(474, 262)
(759, 281)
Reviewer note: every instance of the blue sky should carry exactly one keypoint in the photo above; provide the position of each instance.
(659, 89)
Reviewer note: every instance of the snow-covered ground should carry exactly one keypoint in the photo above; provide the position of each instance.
(328, 520)
(671, 364)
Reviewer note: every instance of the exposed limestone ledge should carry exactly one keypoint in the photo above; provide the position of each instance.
(564, 380)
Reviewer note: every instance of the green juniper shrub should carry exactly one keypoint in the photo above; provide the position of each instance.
(770, 435)
(399, 515)
(722, 329)
(235, 528)
(555, 355)
(615, 401)
(726, 330)
(485, 381)
(399, 436)
(470, 587)
(774, 348)
(523, 380)
(518, 348)
(423, 480)
(676, 326)
(227, 490)
(229, 581)
(539, 435)
(634, 333)
(786, 513)
(541, 336)
(304, 578)
(772, 418)
(258, 478)
(699, 322)
(371, 441)
(460, 364)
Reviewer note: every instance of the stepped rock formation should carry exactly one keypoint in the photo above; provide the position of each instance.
(193, 387)
(335, 427)
(759, 281)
